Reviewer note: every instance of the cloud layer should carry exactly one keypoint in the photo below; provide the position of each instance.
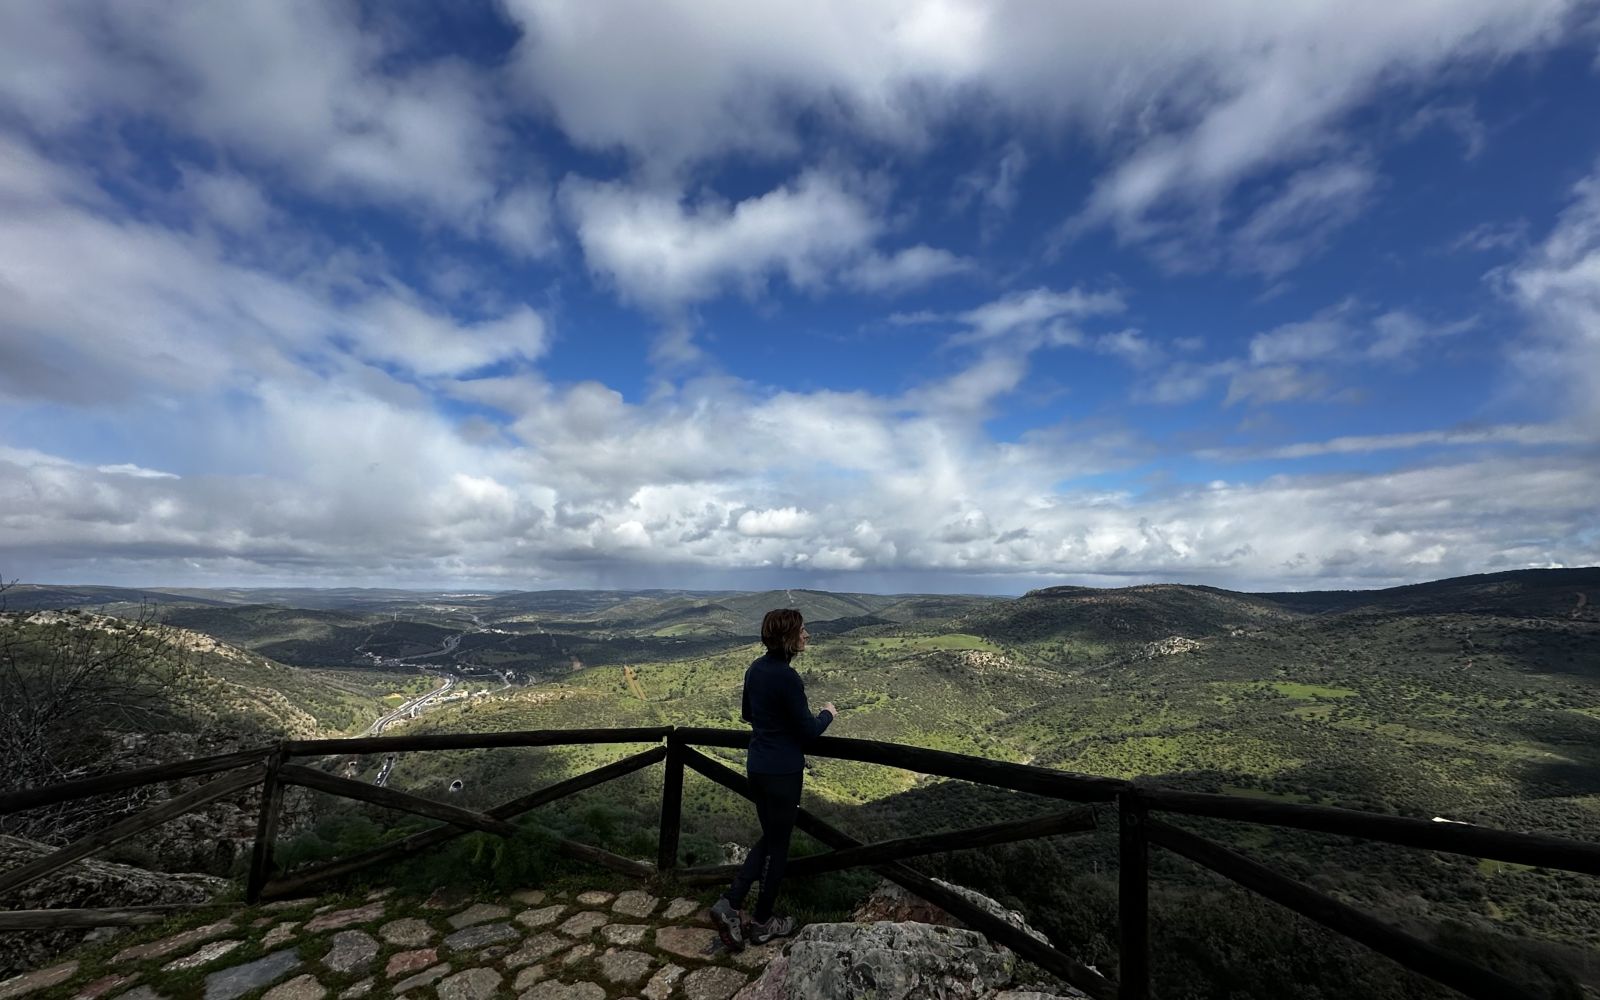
(292, 291)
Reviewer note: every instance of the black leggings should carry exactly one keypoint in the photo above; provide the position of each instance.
(777, 799)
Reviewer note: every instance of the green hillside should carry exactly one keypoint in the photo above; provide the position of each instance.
(1480, 715)
(1476, 700)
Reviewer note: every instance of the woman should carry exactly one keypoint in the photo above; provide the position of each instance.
(781, 722)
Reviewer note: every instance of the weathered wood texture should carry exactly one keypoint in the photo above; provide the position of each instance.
(265, 846)
(1133, 899)
(671, 807)
(476, 741)
(389, 798)
(1534, 849)
(116, 833)
(1043, 955)
(1411, 952)
(121, 781)
(127, 916)
(999, 773)
(296, 883)
(868, 855)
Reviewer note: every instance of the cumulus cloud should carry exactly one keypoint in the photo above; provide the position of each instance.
(907, 269)
(300, 88)
(1213, 94)
(1041, 313)
(781, 522)
(660, 251)
(97, 307)
(1557, 284)
(1305, 358)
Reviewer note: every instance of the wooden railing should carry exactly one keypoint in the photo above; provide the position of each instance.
(272, 768)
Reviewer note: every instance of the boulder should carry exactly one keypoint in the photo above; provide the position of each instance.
(894, 903)
(86, 883)
(885, 961)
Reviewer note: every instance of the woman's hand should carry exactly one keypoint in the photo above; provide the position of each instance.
(830, 709)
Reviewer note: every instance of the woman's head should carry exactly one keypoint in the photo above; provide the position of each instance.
(783, 632)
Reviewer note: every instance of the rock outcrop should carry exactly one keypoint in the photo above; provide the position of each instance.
(86, 883)
(901, 948)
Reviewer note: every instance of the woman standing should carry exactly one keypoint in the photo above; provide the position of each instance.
(781, 725)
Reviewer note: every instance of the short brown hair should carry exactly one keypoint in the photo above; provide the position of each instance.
(780, 632)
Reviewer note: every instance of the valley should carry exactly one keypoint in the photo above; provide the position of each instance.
(1474, 700)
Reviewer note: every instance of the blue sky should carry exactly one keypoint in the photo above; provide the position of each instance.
(870, 295)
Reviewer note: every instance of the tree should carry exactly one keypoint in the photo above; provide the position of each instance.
(70, 684)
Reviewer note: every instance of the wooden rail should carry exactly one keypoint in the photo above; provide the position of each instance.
(1137, 830)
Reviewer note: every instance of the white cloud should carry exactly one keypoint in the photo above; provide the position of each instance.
(296, 86)
(1527, 435)
(100, 308)
(1462, 119)
(1305, 341)
(1301, 360)
(780, 522)
(523, 220)
(1558, 286)
(1199, 95)
(228, 199)
(660, 251)
(138, 472)
(1273, 384)
(907, 269)
(1039, 313)
(1301, 217)
(1487, 237)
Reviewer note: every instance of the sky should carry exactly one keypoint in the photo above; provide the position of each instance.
(866, 295)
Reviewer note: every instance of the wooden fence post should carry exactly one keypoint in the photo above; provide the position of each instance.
(1133, 897)
(266, 827)
(671, 806)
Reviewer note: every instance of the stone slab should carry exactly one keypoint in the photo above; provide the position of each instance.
(479, 913)
(339, 919)
(624, 935)
(204, 955)
(470, 984)
(100, 987)
(404, 963)
(172, 943)
(536, 949)
(635, 903)
(680, 908)
(303, 987)
(241, 979)
(425, 978)
(553, 989)
(714, 982)
(689, 942)
(352, 951)
(661, 984)
(542, 917)
(38, 979)
(625, 967)
(407, 932)
(481, 936)
(583, 924)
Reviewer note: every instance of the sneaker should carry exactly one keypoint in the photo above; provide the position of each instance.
(729, 927)
(775, 927)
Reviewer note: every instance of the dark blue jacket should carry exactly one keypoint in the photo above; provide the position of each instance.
(775, 706)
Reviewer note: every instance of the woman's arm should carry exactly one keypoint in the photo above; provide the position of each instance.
(807, 725)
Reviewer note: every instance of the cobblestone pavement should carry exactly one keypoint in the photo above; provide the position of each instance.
(529, 945)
